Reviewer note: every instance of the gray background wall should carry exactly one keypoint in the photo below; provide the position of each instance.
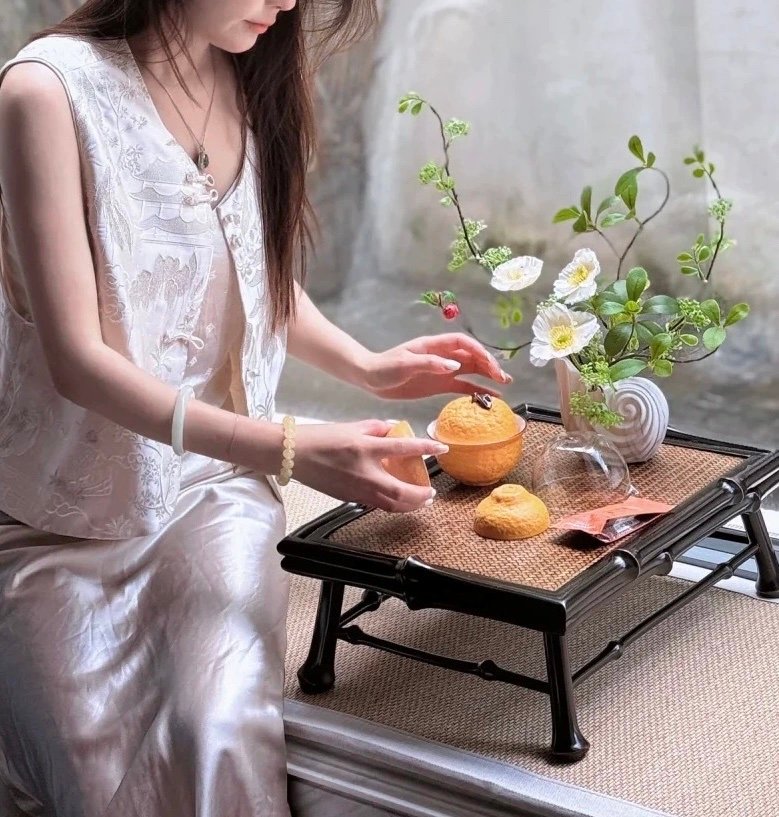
(553, 91)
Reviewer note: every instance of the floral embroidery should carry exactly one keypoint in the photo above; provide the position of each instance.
(94, 478)
(131, 158)
(169, 280)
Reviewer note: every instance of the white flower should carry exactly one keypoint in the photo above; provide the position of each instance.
(518, 273)
(577, 281)
(559, 332)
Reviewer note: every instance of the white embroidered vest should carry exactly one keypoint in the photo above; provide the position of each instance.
(62, 468)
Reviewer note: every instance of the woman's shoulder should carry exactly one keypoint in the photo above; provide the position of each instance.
(66, 52)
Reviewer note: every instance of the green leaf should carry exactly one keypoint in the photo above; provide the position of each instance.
(516, 316)
(630, 195)
(689, 340)
(714, 337)
(636, 148)
(661, 305)
(611, 219)
(686, 270)
(699, 155)
(704, 254)
(586, 200)
(699, 173)
(619, 291)
(661, 344)
(580, 225)
(608, 308)
(609, 201)
(650, 159)
(608, 295)
(689, 160)
(417, 109)
(663, 368)
(645, 334)
(627, 187)
(653, 327)
(683, 257)
(566, 214)
(736, 314)
(637, 281)
(626, 368)
(711, 168)
(617, 338)
(711, 310)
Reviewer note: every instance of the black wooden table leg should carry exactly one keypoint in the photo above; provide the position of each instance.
(318, 671)
(767, 584)
(568, 743)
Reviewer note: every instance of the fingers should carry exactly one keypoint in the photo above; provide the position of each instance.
(450, 343)
(374, 428)
(435, 364)
(469, 387)
(406, 447)
(396, 496)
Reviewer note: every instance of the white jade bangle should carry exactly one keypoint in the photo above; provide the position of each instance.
(177, 430)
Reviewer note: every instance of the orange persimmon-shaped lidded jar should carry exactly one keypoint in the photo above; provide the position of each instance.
(484, 438)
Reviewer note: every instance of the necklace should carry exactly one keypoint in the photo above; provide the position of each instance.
(202, 157)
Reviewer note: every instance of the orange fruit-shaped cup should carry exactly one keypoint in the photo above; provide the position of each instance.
(484, 437)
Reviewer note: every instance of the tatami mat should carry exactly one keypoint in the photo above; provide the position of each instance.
(684, 723)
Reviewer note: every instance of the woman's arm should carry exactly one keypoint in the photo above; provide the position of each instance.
(42, 190)
(313, 339)
(418, 368)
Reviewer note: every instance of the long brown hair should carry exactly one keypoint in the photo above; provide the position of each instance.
(275, 77)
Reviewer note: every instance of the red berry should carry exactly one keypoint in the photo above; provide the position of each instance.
(451, 311)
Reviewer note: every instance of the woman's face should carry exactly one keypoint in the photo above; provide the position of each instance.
(234, 25)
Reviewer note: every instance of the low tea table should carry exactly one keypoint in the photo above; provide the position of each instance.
(432, 559)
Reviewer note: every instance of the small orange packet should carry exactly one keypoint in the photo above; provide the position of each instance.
(612, 522)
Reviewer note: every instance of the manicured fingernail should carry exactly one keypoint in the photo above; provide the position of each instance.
(454, 365)
(440, 449)
(433, 492)
(507, 378)
(429, 502)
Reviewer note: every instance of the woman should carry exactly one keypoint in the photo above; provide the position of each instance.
(152, 168)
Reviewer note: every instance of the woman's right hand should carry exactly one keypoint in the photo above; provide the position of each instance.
(343, 460)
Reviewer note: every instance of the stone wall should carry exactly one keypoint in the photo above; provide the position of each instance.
(553, 90)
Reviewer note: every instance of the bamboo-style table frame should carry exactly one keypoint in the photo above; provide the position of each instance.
(308, 551)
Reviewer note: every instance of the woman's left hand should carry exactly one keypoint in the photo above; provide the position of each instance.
(431, 365)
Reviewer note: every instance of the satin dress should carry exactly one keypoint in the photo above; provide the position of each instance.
(144, 677)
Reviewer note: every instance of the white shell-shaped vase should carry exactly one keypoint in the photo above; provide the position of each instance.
(640, 401)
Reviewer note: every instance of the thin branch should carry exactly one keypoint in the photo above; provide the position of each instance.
(694, 359)
(469, 330)
(452, 192)
(716, 251)
(607, 240)
(642, 224)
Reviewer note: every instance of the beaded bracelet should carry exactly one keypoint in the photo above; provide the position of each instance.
(288, 457)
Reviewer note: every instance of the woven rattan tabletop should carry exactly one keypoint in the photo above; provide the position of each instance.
(442, 536)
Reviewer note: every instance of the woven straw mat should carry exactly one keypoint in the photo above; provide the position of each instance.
(442, 535)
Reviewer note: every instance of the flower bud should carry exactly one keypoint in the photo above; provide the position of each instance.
(451, 311)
